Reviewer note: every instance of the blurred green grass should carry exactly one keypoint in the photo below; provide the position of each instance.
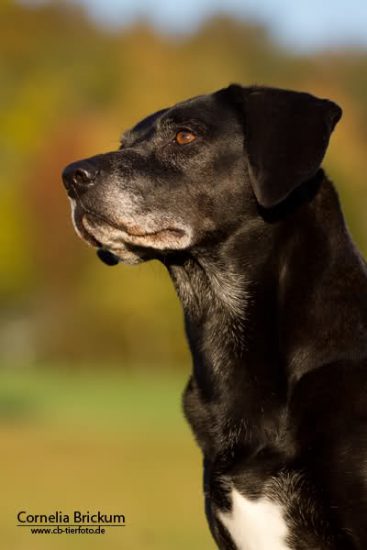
(100, 440)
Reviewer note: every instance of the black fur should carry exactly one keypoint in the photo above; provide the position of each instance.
(274, 294)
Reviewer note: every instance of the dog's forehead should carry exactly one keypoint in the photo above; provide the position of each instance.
(142, 127)
(146, 123)
(201, 107)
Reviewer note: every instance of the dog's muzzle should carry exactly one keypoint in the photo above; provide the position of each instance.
(77, 178)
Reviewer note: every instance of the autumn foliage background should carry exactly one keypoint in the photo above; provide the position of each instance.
(68, 88)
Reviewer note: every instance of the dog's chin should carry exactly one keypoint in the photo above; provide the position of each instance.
(123, 255)
(118, 245)
(111, 249)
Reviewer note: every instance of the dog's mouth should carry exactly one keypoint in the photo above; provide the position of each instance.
(123, 242)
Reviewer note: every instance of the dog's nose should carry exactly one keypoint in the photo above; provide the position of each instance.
(79, 175)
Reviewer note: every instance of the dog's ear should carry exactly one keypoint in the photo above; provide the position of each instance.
(286, 136)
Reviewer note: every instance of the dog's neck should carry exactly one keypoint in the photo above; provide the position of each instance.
(232, 285)
(233, 295)
(215, 298)
(229, 300)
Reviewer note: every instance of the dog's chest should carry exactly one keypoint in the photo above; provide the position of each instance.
(255, 524)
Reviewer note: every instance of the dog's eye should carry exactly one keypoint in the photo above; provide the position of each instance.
(185, 136)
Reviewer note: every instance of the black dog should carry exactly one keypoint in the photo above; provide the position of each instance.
(227, 190)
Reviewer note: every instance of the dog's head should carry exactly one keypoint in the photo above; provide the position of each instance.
(194, 171)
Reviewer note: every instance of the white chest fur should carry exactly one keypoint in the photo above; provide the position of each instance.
(255, 524)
